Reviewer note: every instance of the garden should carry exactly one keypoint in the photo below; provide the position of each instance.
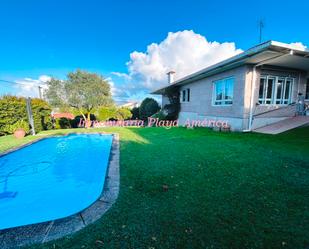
(196, 188)
(179, 187)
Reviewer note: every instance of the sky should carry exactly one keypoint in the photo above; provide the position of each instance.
(133, 43)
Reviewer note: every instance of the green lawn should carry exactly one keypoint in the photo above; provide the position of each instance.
(226, 190)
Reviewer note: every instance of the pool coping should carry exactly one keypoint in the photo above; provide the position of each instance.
(55, 229)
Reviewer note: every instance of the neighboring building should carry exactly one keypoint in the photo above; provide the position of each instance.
(63, 115)
(129, 105)
(253, 89)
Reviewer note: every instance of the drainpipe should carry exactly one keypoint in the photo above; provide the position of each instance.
(252, 98)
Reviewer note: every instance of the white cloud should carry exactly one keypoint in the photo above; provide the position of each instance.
(298, 45)
(44, 78)
(123, 75)
(184, 52)
(29, 87)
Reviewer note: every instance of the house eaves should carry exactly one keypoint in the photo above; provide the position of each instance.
(252, 56)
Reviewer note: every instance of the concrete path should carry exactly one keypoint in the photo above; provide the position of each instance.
(284, 125)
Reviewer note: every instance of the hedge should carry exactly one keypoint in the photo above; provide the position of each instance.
(13, 109)
(112, 113)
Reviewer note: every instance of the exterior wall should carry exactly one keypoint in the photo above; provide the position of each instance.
(302, 85)
(200, 106)
(299, 82)
(260, 118)
(236, 124)
(201, 94)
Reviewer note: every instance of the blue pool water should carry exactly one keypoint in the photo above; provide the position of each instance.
(53, 178)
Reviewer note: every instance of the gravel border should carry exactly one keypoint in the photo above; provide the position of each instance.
(47, 231)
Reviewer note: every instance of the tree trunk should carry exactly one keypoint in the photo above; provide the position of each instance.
(88, 122)
(84, 117)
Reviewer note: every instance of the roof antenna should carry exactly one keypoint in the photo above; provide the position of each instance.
(261, 26)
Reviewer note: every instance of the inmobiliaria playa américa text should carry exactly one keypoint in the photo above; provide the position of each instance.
(155, 122)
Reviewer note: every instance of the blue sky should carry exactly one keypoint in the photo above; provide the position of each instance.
(54, 37)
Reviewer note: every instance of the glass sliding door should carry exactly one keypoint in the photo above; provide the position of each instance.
(262, 90)
(286, 99)
(270, 90)
(279, 90)
(275, 90)
(266, 90)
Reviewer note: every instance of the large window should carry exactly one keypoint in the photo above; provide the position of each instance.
(223, 92)
(275, 90)
(307, 90)
(185, 95)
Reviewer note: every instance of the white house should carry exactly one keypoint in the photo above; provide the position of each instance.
(253, 89)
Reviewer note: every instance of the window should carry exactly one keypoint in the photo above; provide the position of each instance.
(275, 90)
(185, 95)
(266, 90)
(223, 92)
(307, 90)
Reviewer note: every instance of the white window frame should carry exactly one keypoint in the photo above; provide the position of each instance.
(214, 94)
(273, 100)
(182, 96)
(188, 99)
(186, 91)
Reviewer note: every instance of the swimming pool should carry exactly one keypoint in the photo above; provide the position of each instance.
(53, 178)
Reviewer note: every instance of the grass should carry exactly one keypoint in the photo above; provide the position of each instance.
(226, 190)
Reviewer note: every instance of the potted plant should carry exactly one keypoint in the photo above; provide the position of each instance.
(19, 133)
(19, 129)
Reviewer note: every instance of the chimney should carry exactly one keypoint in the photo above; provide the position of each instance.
(170, 77)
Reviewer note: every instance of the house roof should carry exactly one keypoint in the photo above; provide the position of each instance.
(63, 115)
(268, 53)
(129, 105)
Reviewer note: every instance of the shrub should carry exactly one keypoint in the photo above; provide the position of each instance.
(172, 111)
(62, 123)
(11, 128)
(123, 113)
(160, 115)
(148, 107)
(106, 113)
(75, 122)
(135, 113)
(41, 115)
(13, 109)
(113, 113)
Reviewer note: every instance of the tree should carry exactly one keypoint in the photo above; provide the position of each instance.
(135, 113)
(82, 90)
(148, 107)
